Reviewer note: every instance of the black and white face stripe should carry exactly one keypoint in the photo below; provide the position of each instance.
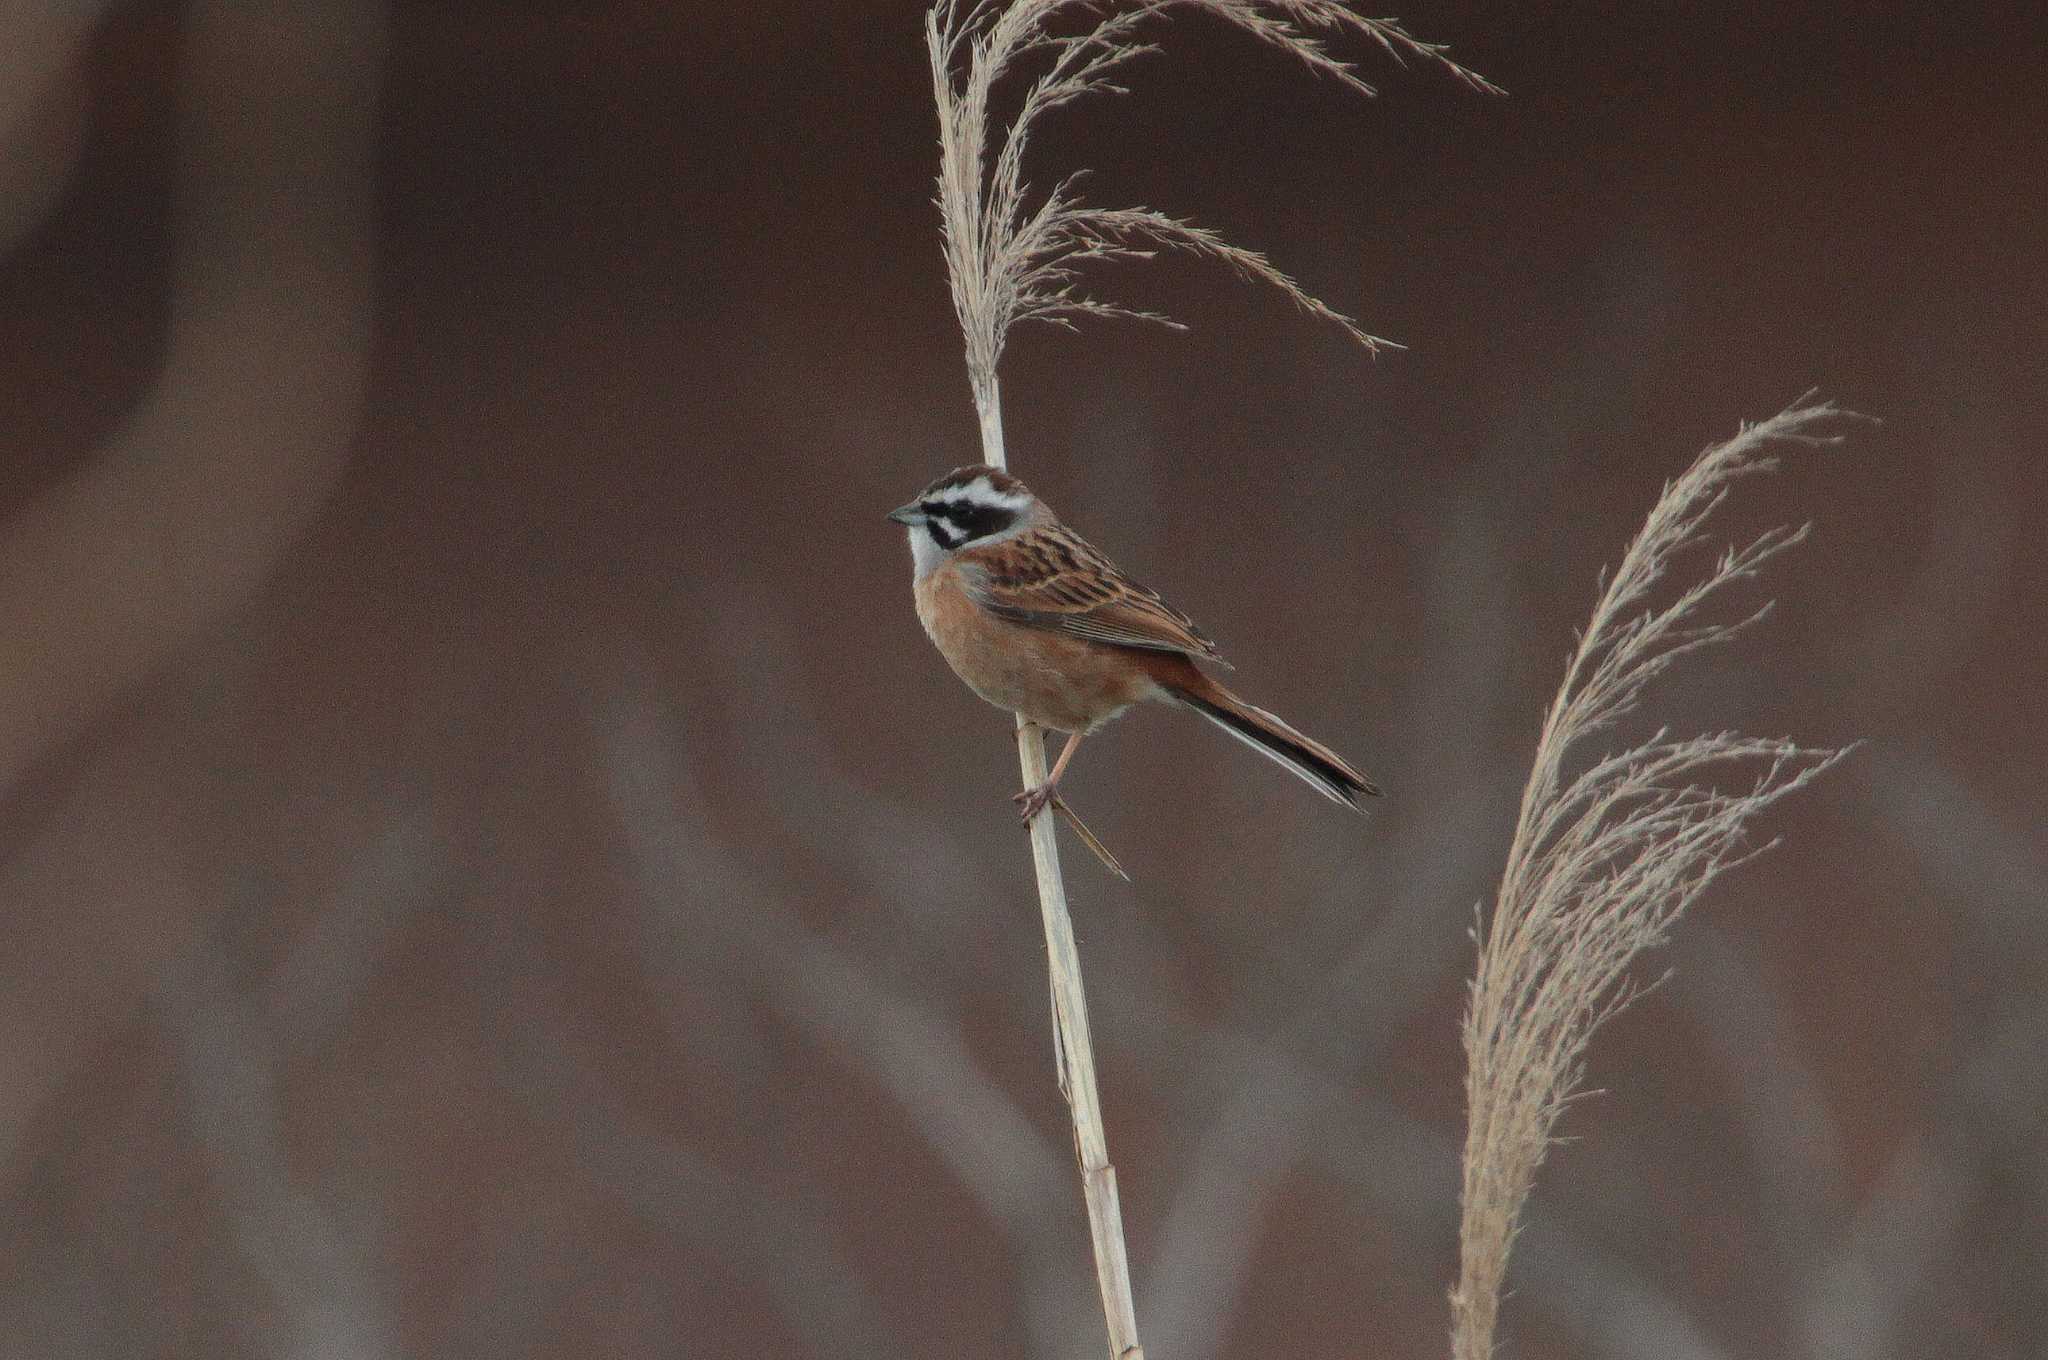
(961, 519)
(967, 506)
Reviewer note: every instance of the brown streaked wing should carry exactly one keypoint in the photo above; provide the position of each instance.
(1052, 578)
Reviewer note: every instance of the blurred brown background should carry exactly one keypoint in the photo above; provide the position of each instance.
(490, 866)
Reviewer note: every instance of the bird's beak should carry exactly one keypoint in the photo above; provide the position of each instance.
(908, 514)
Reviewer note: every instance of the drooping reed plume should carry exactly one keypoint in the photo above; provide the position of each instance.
(1608, 850)
(1012, 255)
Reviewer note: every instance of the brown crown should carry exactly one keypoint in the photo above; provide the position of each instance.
(959, 477)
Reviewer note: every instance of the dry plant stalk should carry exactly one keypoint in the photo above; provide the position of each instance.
(1605, 859)
(1008, 259)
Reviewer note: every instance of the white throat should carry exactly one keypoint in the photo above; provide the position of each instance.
(926, 556)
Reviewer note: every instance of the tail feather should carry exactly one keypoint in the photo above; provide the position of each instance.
(1314, 763)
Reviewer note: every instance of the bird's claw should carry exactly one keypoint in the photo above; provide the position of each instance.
(1031, 802)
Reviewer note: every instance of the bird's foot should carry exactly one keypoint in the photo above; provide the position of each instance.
(1031, 802)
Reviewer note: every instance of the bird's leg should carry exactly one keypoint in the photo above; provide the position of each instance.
(1033, 801)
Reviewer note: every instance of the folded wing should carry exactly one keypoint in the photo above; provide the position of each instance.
(1052, 578)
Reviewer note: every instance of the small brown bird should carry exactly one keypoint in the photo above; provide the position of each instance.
(1038, 622)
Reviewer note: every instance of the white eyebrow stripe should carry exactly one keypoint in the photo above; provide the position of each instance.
(978, 496)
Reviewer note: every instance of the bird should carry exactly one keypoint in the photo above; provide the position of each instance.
(1037, 621)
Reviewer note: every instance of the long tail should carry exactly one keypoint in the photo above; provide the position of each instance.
(1323, 769)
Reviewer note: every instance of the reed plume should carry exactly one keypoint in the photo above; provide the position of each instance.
(1608, 851)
